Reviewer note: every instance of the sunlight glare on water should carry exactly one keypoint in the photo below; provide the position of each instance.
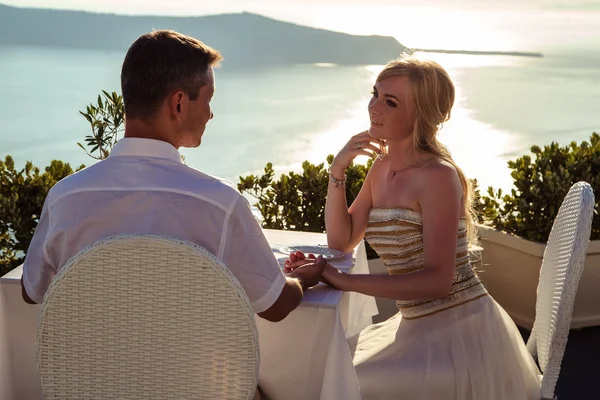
(478, 148)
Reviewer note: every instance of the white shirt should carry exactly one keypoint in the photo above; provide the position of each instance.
(143, 187)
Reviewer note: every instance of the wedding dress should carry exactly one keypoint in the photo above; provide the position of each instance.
(461, 347)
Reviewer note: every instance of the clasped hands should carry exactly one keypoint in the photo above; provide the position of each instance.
(310, 269)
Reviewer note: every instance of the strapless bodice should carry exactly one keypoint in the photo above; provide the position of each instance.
(396, 234)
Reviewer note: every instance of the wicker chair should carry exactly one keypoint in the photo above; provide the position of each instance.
(146, 317)
(562, 266)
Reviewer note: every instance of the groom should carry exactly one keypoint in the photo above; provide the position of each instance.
(143, 187)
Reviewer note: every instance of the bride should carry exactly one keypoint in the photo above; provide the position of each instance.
(450, 339)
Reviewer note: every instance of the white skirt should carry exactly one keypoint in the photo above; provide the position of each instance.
(470, 352)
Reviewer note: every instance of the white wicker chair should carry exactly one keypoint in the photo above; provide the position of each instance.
(146, 317)
(562, 266)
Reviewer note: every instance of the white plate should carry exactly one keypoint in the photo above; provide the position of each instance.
(327, 253)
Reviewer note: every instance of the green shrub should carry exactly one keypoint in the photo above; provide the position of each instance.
(540, 185)
(106, 118)
(22, 195)
(296, 201)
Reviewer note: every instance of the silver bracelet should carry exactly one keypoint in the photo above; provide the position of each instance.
(336, 181)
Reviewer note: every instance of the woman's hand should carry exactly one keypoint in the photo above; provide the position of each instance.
(330, 275)
(307, 270)
(296, 260)
(362, 144)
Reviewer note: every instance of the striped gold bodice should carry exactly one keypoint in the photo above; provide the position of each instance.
(396, 234)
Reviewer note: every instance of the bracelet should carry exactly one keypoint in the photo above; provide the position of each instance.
(336, 181)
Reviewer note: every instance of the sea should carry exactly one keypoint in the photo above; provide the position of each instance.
(288, 114)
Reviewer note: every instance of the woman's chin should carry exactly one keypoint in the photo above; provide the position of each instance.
(375, 132)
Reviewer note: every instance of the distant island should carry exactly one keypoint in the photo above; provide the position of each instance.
(244, 39)
(479, 52)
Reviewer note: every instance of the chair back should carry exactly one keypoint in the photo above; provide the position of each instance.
(561, 270)
(146, 317)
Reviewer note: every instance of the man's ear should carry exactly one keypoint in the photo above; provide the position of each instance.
(176, 103)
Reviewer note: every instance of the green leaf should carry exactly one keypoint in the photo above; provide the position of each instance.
(540, 185)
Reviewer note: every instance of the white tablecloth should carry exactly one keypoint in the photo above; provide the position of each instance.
(304, 356)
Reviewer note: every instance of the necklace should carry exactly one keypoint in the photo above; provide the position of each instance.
(401, 169)
(394, 173)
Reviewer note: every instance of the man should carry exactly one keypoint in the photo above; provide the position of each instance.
(143, 187)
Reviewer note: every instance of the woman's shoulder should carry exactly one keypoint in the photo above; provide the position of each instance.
(438, 171)
(438, 166)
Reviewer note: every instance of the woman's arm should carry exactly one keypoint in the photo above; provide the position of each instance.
(346, 226)
(440, 200)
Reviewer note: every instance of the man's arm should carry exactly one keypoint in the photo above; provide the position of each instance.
(249, 256)
(38, 270)
(25, 295)
(291, 295)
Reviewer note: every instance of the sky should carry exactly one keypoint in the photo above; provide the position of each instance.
(201, 7)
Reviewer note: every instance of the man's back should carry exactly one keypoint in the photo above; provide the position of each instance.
(144, 188)
(128, 194)
(167, 81)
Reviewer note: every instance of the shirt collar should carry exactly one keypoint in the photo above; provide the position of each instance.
(139, 147)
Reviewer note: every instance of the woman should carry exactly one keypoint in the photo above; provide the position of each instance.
(450, 339)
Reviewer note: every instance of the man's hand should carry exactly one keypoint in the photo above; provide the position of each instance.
(330, 275)
(307, 270)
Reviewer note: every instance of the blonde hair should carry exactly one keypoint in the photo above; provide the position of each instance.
(433, 94)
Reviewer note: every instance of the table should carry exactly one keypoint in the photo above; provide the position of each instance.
(305, 356)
